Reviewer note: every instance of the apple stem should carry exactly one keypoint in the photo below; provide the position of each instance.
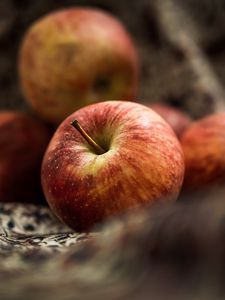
(98, 149)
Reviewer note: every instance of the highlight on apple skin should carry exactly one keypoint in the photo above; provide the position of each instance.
(142, 163)
(177, 119)
(204, 152)
(23, 141)
(74, 57)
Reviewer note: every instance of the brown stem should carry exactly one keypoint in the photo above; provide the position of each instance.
(98, 149)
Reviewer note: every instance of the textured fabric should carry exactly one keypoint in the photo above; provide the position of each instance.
(28, 230)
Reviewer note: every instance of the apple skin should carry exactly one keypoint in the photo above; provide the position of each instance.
(178, 120)
(143, 165)
(23, 141)
(74, 57)
(204, 153)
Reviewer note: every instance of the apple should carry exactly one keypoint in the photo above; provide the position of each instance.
(74, 57)
(204, 152)
(177, 119)
(120, 155)
(23, 141)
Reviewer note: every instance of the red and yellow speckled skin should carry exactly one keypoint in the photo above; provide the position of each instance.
(75, 57)
(204, 152)
(23, 141)
(177, 119)
(143, 164)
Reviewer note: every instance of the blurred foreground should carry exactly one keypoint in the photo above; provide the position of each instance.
(169, 252)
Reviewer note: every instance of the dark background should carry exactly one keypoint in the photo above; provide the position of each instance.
(181, 45)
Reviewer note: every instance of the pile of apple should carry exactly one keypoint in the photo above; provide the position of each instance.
(105, 157)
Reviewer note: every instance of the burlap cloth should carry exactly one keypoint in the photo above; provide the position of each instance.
(169, 253)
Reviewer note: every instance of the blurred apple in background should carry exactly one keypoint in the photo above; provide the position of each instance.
(75, 57)
(120, 155)
(177, 119)
(204, 152)
(23, 140)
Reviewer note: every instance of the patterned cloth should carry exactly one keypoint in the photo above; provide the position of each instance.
(31, 233)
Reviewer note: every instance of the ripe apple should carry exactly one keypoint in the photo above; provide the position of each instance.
(23, 140)
(119, 156)
(75, 57)
(204, 152)
(178, 120)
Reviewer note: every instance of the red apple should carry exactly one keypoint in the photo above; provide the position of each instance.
(23, 141)
(124, 156)
(204, 152)
(75, 57)
(178, 120)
